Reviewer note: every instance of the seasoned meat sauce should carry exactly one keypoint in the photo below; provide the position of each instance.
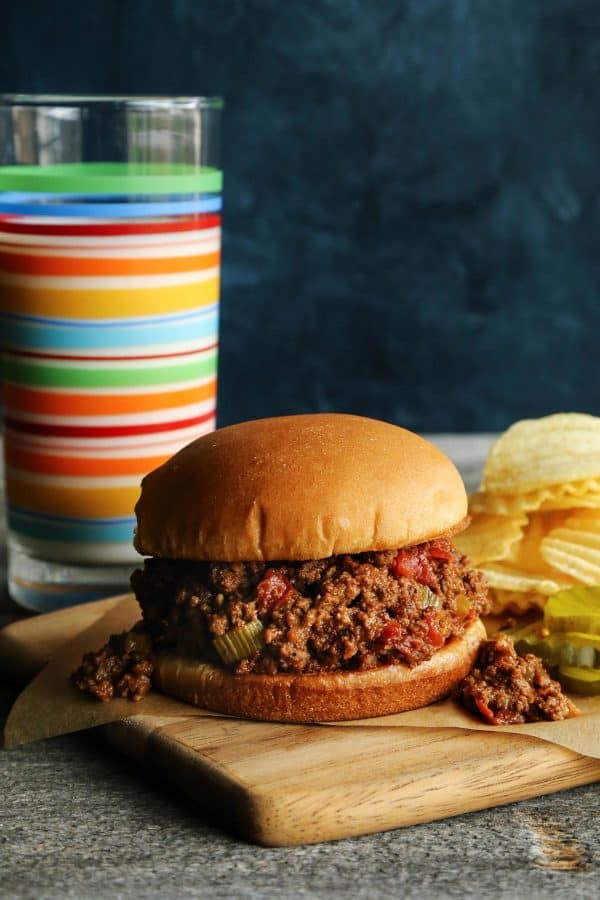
(344, 612)
(507, 689)
(120, 669)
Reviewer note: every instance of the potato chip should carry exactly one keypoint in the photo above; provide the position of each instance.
(523, 579)
(490, 537)
(590, 501)
(484, 503)
(574, 548)
(570, 495)
(537, 453)
(525, 555)
(515, 602)
(506, 578)
(590, 516)
(547, 470)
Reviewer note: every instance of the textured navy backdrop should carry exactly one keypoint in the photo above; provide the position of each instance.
(411, 204)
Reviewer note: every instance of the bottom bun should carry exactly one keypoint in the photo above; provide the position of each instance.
(327, 697)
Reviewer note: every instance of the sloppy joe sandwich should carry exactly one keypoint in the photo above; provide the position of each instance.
(299, 569)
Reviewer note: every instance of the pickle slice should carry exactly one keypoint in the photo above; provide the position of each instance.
(576, 609)
(580, 681)
(523, 631)
(547, 650)
(568, 649)
(240, 643)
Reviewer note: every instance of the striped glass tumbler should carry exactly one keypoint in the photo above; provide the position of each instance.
(110, 215)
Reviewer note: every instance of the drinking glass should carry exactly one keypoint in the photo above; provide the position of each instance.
(110, 215)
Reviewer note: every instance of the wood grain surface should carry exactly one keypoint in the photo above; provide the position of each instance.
(280, 785)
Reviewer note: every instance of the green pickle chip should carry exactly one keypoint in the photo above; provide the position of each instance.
(574, 610)
(568, 639)
(569, 649)
(580, 680)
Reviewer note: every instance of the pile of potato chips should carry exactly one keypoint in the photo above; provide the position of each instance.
(535, 522)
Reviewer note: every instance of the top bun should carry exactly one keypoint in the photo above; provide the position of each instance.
(298, 487)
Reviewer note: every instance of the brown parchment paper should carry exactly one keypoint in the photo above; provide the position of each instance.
(50, 706)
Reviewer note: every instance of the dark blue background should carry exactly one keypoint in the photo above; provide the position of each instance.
(411, 205)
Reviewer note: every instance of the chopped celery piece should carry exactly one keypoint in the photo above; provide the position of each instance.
(240, 643)
(138, 642)
(463, 604)
(427, 598)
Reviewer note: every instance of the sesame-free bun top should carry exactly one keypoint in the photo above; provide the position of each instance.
(298, 487)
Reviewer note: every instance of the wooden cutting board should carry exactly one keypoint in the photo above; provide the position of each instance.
(281, 785)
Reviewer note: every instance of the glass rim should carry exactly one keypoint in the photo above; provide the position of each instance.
(141, 101)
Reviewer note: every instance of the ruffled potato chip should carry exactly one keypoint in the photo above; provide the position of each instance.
(525, 556)
(574, 547)
(490, 537)
(589, 501)
(537, 453)
(570, 495)
(501, 576)
(482, 503)
(548, 471)
(524, 580)
(515, 602)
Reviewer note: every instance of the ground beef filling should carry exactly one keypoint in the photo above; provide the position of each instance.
(506, 689)
(120, 669)
(348, 612)
(343, 613)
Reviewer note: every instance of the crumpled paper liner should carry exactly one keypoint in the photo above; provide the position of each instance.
(50, 706)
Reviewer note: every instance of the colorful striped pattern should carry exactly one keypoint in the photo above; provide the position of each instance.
(109, 332)
(73, 205)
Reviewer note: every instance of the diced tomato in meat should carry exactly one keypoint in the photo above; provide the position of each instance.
(273, 591)
(486, 712)
(434, 635)
(440, 549)
(414, 564)
(395, 636)
(391, 631)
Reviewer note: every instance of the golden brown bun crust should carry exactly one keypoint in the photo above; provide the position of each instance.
(298, 487)
(320, 698)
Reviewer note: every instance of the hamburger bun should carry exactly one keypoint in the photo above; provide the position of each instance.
(304, 488)
(326, 697)
(298, 488)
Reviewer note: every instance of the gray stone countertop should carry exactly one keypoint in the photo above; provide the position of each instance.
(79, 821)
